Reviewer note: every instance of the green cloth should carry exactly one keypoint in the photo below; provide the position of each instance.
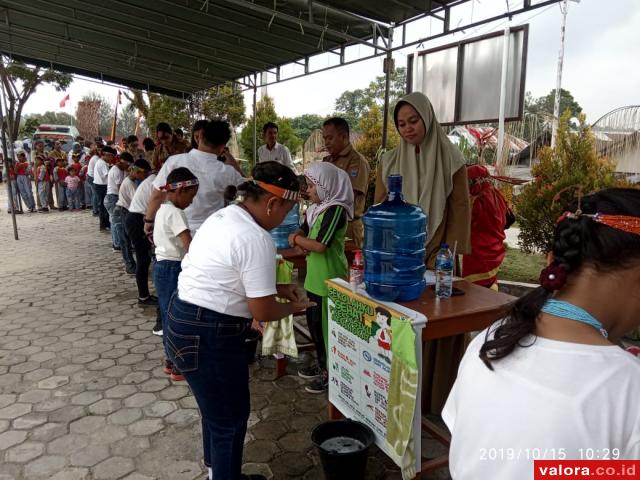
(403, 393)
(333, 262)
(427, 175)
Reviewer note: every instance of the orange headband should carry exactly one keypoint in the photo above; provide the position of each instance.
(625, 223)
(278, 191)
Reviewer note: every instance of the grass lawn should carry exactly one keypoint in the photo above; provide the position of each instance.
(521, 267)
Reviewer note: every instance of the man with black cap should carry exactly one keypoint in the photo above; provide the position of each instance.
(100, 180)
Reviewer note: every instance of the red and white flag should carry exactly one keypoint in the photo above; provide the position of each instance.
(64, 101)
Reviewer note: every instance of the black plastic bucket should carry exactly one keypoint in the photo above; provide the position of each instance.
(251, 344)
(343, 446)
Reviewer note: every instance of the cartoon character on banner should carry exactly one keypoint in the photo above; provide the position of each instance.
(381, 332)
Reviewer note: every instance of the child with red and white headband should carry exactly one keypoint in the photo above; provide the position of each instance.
(172, 238)
(550, 382)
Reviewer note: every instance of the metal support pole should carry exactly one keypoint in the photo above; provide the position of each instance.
(388, 70)
(9, 162)
(503, 97)
(564, 7)
(255, 138)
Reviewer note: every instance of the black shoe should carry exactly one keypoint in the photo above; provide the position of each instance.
(130, 270)
(150, 301)
(310, 373)
(319, 385)
(157, 329)
(115, 249)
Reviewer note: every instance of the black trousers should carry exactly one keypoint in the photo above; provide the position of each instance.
(101, 192)
(314, 322)
(134, 226)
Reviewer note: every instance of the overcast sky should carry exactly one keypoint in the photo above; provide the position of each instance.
(601, 68)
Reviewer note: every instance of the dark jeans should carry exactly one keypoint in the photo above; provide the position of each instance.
(134, 226)
(101, 193)
(165, 278)
(94, 196)
(119, 214)
(314, 322)
(207, 347)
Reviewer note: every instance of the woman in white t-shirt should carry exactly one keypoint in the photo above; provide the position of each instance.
(549, 381)
(229, 277)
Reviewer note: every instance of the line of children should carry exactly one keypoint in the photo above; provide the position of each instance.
(172, 237)
(323, 237)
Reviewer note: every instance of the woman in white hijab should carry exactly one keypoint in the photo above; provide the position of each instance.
(435, 178)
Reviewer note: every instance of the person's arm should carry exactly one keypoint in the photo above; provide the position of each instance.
(333, 219)
(267, 309)
(232, 162)
(288, 161)
(381, 190)
(185, 238)
(459, 213)
(157, 197)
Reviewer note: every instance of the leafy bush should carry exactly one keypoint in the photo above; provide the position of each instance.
(570, 169)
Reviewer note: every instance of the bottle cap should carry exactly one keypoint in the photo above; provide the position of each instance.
(444, 245)
(395, 183)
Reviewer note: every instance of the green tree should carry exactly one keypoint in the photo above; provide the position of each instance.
(352, 105)
(126, 124)
(157, 108)
(225, 102)
(266, 112)
(563, 173)
(303, 125)
(369, 143)
(544, 105)
(28, 126)
(20, 82)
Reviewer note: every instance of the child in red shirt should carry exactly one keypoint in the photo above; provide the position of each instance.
(59, 174)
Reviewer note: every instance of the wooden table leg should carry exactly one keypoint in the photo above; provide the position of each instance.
(334, 413)
(281, 367)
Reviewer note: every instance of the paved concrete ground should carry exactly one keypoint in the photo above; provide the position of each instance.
(82, 394)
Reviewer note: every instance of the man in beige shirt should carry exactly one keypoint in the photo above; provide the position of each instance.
(335, 132)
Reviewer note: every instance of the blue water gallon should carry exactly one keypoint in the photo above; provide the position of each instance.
(395, 238)
(290, 224)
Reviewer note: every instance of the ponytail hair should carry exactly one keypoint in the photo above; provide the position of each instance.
(578, 241)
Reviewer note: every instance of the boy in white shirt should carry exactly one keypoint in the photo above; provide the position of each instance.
(172, 237)
(114, 179)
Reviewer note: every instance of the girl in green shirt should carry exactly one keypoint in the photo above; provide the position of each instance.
(323, 236)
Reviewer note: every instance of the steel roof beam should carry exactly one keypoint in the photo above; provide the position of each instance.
(298, 21)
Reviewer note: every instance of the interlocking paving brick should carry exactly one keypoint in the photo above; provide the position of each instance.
(24, 452)
(11, 437)
(90, 456)
(140, 400)
(53, 382)
(113, 468)
(45, 466)
(125, 416)
(14, 411)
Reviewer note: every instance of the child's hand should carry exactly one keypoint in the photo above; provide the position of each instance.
(292, 239)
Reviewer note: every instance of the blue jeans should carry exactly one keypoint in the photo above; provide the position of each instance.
(95, 204)
(117, 226)
(24, 186)
(62, 195)
(165, 278)
(73, 197)
(208, 348)
(109, 204)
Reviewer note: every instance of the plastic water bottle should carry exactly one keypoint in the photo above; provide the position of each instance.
(444, 272)
(290, 224)
(356, 271)
(395, 237)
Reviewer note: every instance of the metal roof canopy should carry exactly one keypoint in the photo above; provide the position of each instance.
(183, 46)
